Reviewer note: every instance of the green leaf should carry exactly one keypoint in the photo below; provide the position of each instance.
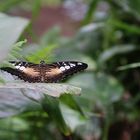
(51, 106)
(129, 6)
(130, 66)
(71, 103)
(13, 102)
(16, 49)
(116, 50)
(98, 89)
(89, 14)
(6, 5)
(134, 7)
(45, 48)
(72, 117)
(18, 97)
(36, 8)
(10, 30)
(54, 90)
(42, 53)
(125, 26)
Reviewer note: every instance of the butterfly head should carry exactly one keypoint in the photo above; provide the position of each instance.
(42, 62)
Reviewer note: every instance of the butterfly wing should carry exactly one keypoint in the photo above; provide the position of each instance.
(46, 73)
(61, 70)
(26, 71)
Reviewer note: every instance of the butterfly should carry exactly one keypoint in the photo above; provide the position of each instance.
(44, 73)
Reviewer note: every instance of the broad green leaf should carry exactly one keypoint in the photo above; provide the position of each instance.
(10, 30)
(51, 106)
(13, 102)
(98, 89)
(17, 97)
(116, 50)
(54, 90)
(72, 117)
(71, 103)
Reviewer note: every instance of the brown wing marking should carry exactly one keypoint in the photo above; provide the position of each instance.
(53, 74)
(27, 74)
(31, 72)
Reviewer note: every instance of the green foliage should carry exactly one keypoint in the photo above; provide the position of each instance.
(44, 50)
(91, 9)
(130, 66)
(11, 28)
(51, 106)
(106, 44)
(6, 5)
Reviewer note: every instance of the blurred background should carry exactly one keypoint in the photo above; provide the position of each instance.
(102, 33)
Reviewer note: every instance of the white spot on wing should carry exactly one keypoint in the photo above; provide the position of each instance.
(17, 67)
(62, 68)
(22, 68)
(19, 64)
(67, 67)
(63, 63)
(79, 63)
(72, 65)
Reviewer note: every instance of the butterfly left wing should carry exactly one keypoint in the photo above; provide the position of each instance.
(60, 70)
(26, 71)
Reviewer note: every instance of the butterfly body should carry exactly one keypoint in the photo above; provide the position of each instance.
(45, 73)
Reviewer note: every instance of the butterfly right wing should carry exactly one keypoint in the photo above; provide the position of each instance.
(26, 71)
(60, 70)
